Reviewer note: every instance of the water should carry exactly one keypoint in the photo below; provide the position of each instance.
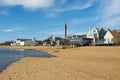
(8, 56)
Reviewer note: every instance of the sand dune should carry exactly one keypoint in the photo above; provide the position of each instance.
(84, 63)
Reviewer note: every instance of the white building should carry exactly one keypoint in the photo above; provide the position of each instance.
(25, 42)
(112, 37)
(97, 34)
(93, 33)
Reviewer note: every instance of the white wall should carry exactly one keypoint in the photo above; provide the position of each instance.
(22, 43)
(25, 43)
(93, 33)
(29, 42)
(108, 37)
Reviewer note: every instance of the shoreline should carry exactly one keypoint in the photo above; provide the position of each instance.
(82, 63)
(48, 49)
(17, 57)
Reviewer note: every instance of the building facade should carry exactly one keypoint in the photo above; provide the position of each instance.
(25, 42)
(97, 34)
(112, 37)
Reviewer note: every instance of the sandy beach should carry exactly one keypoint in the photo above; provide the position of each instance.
(83, 63)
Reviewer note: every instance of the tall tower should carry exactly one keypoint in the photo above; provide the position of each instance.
(65, 30)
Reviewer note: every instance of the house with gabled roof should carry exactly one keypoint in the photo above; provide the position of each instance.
(112, 37)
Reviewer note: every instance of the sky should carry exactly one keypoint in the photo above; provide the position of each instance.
(43, 18)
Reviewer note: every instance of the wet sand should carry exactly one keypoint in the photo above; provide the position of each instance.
(84, 63)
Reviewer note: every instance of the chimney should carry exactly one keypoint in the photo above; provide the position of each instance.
(65, 30)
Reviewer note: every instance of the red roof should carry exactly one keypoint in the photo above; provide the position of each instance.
(116, 36)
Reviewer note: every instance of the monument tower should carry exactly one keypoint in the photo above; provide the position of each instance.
(65, 30)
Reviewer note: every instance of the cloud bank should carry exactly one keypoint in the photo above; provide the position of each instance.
(13, 29)
(32, 4)
(57, 6)
(74, 7)
(110, 13)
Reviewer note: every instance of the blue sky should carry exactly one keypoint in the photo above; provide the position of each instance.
(43, 18)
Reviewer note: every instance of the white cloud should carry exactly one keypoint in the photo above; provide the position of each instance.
(51, 15)
(111, 8)
(8, 30)
(35, 4)
(110, 13)
(13, 29)
(52, 32)
(112, 22)
(79, 21)
(80, 33)
(32, 4)
(64, 6)
(50, 7)
(3, 12)
(62, 1)
(74, 7)
(57, 33)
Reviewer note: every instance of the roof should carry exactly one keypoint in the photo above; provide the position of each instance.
(116, 36)
(115, 33)
(24, 39)
(80, 36)
(76, 38)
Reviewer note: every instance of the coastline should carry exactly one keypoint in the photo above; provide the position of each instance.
(84, 63)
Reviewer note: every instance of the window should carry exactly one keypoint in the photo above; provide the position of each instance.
(112, 39)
